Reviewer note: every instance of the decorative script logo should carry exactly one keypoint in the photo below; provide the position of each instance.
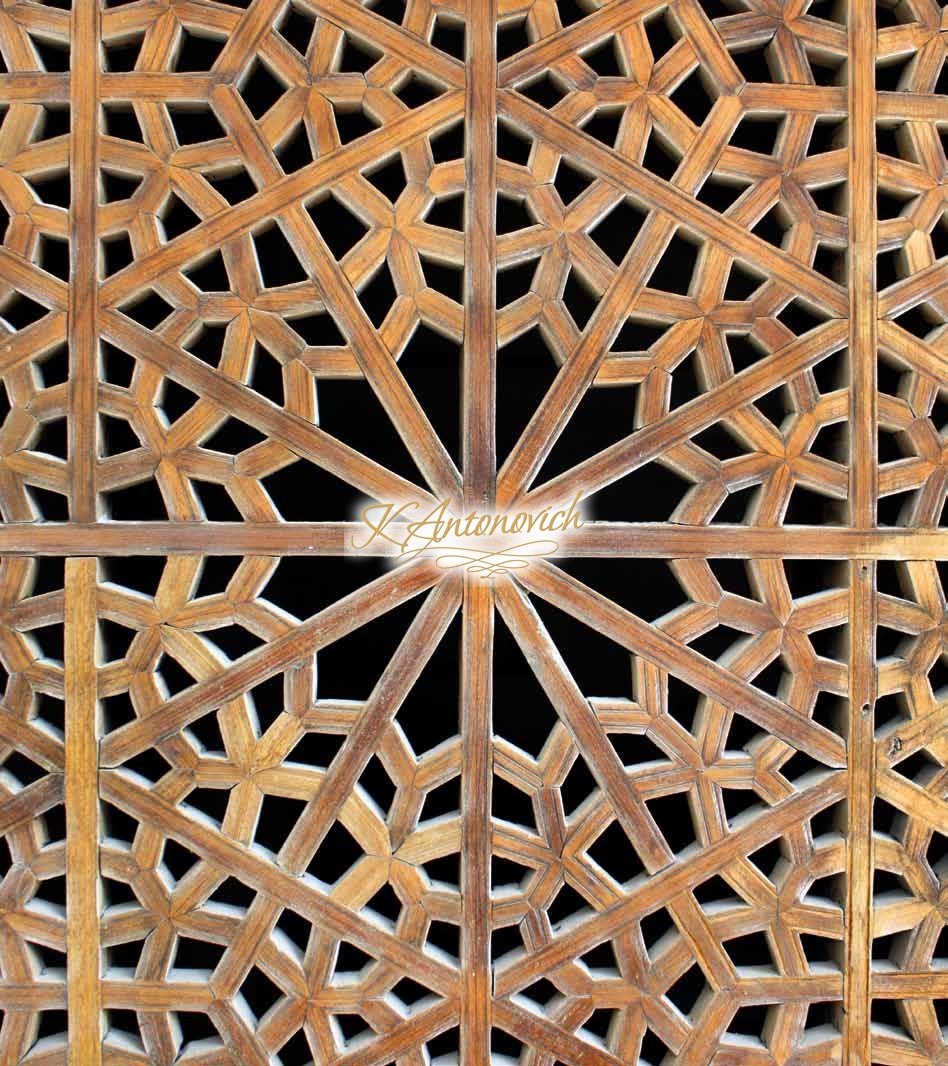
(484, 544)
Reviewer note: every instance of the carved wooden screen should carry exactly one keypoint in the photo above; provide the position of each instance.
(676, 794)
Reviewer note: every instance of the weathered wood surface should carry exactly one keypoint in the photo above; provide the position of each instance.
(678, 793)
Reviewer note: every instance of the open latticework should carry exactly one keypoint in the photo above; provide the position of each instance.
(676, 794)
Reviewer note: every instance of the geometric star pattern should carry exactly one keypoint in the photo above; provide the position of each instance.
(676, 794)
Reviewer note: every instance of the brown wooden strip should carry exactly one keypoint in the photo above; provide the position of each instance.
(29, 87)
(479, 461)
(82, 815)
(30, 802)
(593, 539)
(84, 259)
(43, 995)
(912, 107)
(476, 779)
(863, 493)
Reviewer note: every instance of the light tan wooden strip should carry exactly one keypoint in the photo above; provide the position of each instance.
(23, 345)
(42, 995)
(593, 539)
(82, 816)
(145, 995)
(40, 745)
(861, 754)
(29, 87)
(84, 257)
(863, 493)
(813, 99)
(30, 802)
(38, 284)
(900, 985)
(923, 357)
(149, 85)
(912, 107)
(255, 23)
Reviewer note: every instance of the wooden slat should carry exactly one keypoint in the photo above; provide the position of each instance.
(615, 540)
(82, 815)
(476, 779)
(480, 325)
(863, 491)
(84, 258)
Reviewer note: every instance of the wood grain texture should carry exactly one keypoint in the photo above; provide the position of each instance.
(82, 814)
(675, 793)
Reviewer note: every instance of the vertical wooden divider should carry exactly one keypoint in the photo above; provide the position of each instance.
(476, 771)
(480, 471)
(82, 817)
(863, 494)
(480, 326)
(83, 274)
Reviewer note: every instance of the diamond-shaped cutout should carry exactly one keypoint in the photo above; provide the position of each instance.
(296, 27)
(295, 150)
(148, 309)
(695, 96)
(260, 88)
(606, 60)
(336, 855)
(674, 270)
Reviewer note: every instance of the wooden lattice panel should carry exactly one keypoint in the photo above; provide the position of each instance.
(675, 793)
